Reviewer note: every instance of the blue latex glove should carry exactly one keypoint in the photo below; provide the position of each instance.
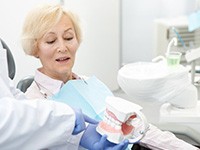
(92, 140)
(80, 121)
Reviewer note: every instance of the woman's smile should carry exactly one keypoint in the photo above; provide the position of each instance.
(63, 59)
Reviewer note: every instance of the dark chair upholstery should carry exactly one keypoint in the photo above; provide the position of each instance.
(24, 83)
(11, 62)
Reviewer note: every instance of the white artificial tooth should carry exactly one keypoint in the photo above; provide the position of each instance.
(109, 122)
(113, 124)
(134, 122)
(117, 127)
(105, 120)
(112, 119)
(109, 117)
(128, 122)
(104, 117)
(105, 113)
(118, 123)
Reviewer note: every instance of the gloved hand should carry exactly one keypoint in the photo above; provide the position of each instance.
(80, 121)
(92, 140)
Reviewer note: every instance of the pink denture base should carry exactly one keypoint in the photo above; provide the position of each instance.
(108, 128)
(126, 129)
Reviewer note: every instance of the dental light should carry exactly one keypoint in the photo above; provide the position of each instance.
(122, 120)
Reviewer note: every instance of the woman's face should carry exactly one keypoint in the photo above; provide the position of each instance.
(57, 50)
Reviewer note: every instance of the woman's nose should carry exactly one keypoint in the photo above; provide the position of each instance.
(62, 46)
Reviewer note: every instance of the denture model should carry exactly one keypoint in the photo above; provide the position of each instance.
(122, 120)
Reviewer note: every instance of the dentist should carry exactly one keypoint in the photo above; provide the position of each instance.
(40, 124)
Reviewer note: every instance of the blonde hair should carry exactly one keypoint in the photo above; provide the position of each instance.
(40, 20)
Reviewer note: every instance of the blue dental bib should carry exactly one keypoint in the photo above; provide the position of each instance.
(88, 95)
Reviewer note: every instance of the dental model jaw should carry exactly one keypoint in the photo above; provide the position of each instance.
(122, 120)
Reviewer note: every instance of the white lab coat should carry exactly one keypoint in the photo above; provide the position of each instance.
(35, 124)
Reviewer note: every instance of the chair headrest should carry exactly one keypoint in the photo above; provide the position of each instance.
(10, 59)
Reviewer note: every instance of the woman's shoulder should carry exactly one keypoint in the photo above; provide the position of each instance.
(33, 92)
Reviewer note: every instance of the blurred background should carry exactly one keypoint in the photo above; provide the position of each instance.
(116, 32)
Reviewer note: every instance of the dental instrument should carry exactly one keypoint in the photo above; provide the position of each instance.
(172, 58)
(174, 42)
(179, 37)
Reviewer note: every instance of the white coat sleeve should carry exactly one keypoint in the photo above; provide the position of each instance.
(156, 139)
(8, 89)
(35, 124)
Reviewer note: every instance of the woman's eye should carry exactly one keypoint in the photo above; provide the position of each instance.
(69, 39)
(50, 42)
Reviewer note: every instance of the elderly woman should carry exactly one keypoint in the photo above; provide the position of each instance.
(53, 35)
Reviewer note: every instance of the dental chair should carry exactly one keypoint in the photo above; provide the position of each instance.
(24, 83)
(11, 62)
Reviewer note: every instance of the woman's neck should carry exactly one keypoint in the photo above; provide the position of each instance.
(62, 77)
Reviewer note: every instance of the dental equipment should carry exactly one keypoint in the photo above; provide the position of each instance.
(191, 57)
(168, 98)
(179, 37)
(174, 42)
(173, 57)
(122, 120)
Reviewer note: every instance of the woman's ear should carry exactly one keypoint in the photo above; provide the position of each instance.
(35, 54)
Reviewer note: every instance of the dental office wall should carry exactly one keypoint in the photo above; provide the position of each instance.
(116, 32)
(138, 28)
